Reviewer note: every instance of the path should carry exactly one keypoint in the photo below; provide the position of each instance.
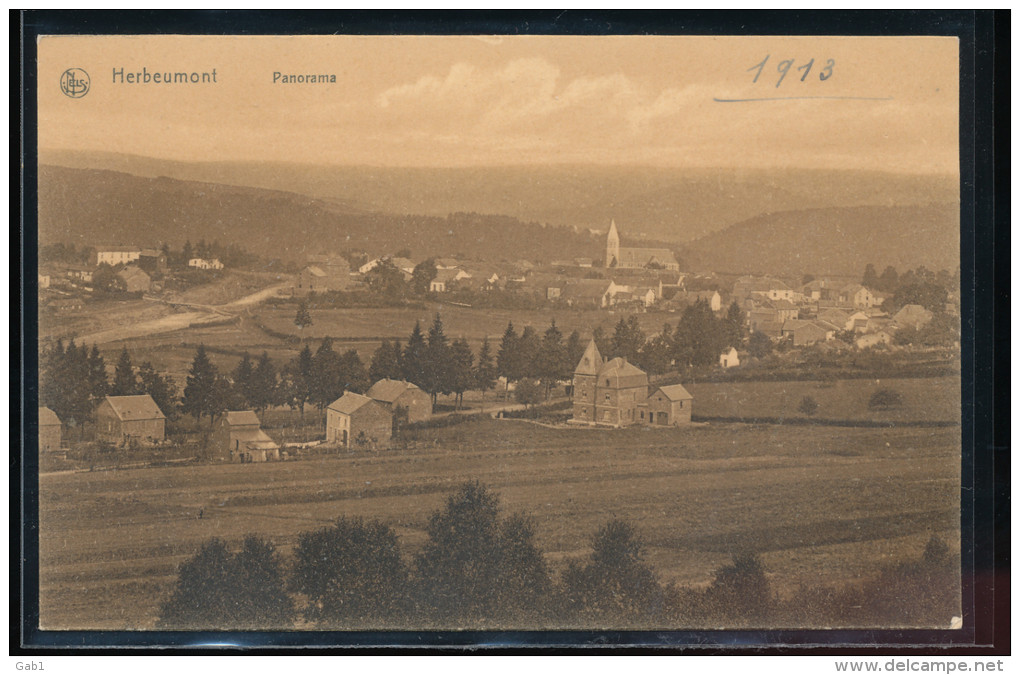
(199, 315)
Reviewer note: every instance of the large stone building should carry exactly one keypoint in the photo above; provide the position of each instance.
(355, 420)
(322, 275)
(637, 258)
(121, 419)
(403, 399)
(615, 393)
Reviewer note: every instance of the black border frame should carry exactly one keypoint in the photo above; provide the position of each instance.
(984, 125)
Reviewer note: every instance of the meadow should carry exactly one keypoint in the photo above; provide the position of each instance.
(821, 505)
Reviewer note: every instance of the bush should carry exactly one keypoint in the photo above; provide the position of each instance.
(885, 398)
(476, 569)
(615, 586)
(740, 593)
(808, 406)
(351, 571)
(217, 590)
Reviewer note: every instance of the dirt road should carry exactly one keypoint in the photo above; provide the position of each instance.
(197, 315)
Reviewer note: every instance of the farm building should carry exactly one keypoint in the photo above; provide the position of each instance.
(729, 359)
(668, 406)
(399, 395)
(354, 420)
(805, 332)
(120, 419)
(205, 263)
(49, 430)
(324, 274)
(114, 255)
(135, 279)
(238, 436)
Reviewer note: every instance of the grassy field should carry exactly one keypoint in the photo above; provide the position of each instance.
(924, 399)
(821, 505)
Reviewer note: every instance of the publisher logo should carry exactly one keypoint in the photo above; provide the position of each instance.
(74, 82)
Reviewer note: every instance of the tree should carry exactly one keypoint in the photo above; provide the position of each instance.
(889, 280)
(551, 363)
(386, 362)
(298, 379)
(264, 385)
(759, 345)
(303, 317)
(186, 253)
(351, 573)
(528, 391)
(160, 387)
(740, 592)
(485, 370)
(96, 376)
(461, 372)
(575, 350)
(656, 355)
(203, 392)
(68, 383)
(217, 590)
(527, 352)
(105, 280)
(353, 375)
(438, 371)
(244, 386)
(415, 357)
(700, 336)
(628, 339)
(476, 569)
(615, 585)
(326, 375)
(422, 276)
(508, 359)
(386, 280)
(870, 278)
(734, 327)
(601, 341)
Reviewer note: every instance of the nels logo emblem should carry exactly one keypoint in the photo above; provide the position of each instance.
(74, 82)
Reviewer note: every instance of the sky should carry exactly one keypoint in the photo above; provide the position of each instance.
(889, 104)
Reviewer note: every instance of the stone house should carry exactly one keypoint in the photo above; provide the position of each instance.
(49, 430)
(355, 420)
(238, 436)
(400, 395)
(120, 419)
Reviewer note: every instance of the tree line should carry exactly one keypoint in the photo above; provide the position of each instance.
(480, 568)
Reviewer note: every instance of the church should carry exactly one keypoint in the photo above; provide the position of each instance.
(637, 258)
(615, 393)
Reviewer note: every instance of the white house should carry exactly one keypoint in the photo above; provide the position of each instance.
(206, 263)
(729, 359)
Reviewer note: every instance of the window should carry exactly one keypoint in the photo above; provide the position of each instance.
(607, 397)
(642, 414)
(681, 405)
(607, 381)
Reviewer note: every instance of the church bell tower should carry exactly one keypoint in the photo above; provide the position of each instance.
(613, 246)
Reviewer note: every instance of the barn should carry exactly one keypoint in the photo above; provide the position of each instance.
(238, 436)
(668, 406)
(120, 419)
(49, 430)
(355, 420)
(398, 394)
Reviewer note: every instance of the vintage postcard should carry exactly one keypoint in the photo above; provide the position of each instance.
(528, 333)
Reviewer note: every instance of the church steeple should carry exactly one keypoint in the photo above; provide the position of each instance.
(613, 246)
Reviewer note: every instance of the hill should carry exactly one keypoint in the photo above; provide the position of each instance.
(833, 241)
(87, 206)
(671, 204)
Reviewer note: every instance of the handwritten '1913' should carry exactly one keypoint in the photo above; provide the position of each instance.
(784, 66)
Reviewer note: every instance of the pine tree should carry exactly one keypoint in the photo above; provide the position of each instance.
(353, 375)
(415, 357)
(461, 373)
(160, 387)
(438, 371)
(98, 386)
(575, 350)
(303, 317)
(124, 381)
(485, 371)
(870, 278)
(203, 394)
(326, 385)
(734, 327)
(264, 387)
(298, 376)
(386, 362)
(507, 359)
(551, 361)
(244, 393)
(527, 352)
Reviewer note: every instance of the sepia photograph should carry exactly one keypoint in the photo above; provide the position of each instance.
(499, 333)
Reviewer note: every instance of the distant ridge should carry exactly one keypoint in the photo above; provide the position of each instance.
(837, 241)
(668, 204)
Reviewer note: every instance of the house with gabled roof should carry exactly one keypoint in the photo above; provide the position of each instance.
(120, 419)
(804, 332)
(238, 436)
(667, 406)
(912, 316)
(49, 430)
(135, 279)
(354, 420)
(404, 399)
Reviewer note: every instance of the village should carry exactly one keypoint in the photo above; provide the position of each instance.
(627, 378)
